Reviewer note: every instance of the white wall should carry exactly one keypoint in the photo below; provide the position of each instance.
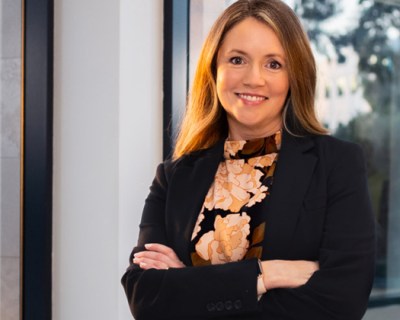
(140, 135)
(107, 141)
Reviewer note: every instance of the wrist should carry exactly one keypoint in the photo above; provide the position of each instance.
(273, 274)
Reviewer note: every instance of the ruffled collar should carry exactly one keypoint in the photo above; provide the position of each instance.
(245, 149)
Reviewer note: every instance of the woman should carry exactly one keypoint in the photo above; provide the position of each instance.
(260, 214)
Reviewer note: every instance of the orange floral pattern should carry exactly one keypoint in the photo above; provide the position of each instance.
(228, 242)
(232, 147)
(221, 234)
(235, 182)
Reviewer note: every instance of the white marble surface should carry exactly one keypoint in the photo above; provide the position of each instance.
(11, 28)
(10, 107)
(10, 207)
(9, 303)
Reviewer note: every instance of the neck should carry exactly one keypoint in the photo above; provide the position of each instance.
(250, 134)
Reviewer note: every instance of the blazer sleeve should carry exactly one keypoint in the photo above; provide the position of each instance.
(341, 288)
(227, 290)
(338, 291)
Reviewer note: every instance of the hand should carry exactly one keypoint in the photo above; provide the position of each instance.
(287, 273)
(157, 256)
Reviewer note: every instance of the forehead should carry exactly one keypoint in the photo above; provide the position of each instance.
(253, 35)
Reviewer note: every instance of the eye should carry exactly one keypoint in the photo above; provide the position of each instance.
(236, 60)
(275, 65)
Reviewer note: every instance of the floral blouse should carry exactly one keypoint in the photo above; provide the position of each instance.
(231, 223)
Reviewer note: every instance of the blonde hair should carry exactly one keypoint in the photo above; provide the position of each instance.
(205, 122)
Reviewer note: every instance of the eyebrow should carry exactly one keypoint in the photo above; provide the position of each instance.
(267, 55)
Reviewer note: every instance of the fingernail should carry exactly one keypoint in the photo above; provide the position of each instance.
(143, 265)
(147, 245)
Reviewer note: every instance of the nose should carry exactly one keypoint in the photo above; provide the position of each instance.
(254, 76)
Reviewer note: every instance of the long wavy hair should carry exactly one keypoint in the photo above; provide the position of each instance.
(205, 121)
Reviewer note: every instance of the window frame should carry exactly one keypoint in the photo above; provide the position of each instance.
(36, 159)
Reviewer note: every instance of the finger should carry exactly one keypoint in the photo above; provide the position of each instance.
(314, 266)
(157, 247)
(155, 256)
(146, 264)
(171, 262)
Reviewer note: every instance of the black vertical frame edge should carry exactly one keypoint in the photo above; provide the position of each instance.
(174, 84)
(37, 159)
(167, 77)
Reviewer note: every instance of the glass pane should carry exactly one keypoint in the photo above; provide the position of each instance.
(10, 98)
(358, 99)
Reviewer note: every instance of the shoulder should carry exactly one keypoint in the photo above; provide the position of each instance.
(215, 152)
(331, 146)
(338, 153)
(324, 147)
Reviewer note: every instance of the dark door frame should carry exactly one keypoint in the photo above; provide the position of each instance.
(36, 159)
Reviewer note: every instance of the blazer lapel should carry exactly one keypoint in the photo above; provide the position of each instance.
(194, 176)
(188, 189)
(292, 176)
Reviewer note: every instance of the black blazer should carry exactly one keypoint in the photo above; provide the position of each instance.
(318, 209)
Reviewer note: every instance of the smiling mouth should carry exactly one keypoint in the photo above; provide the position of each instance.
(252, 98)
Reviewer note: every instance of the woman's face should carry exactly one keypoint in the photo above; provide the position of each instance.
(252, 80)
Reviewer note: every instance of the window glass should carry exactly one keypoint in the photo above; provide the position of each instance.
(357, 48)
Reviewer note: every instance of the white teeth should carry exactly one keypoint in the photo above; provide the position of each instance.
(251, 98)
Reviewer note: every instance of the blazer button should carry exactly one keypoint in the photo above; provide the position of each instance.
(220, 306)
(210, 307)
(238, 304)
(228, 305)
